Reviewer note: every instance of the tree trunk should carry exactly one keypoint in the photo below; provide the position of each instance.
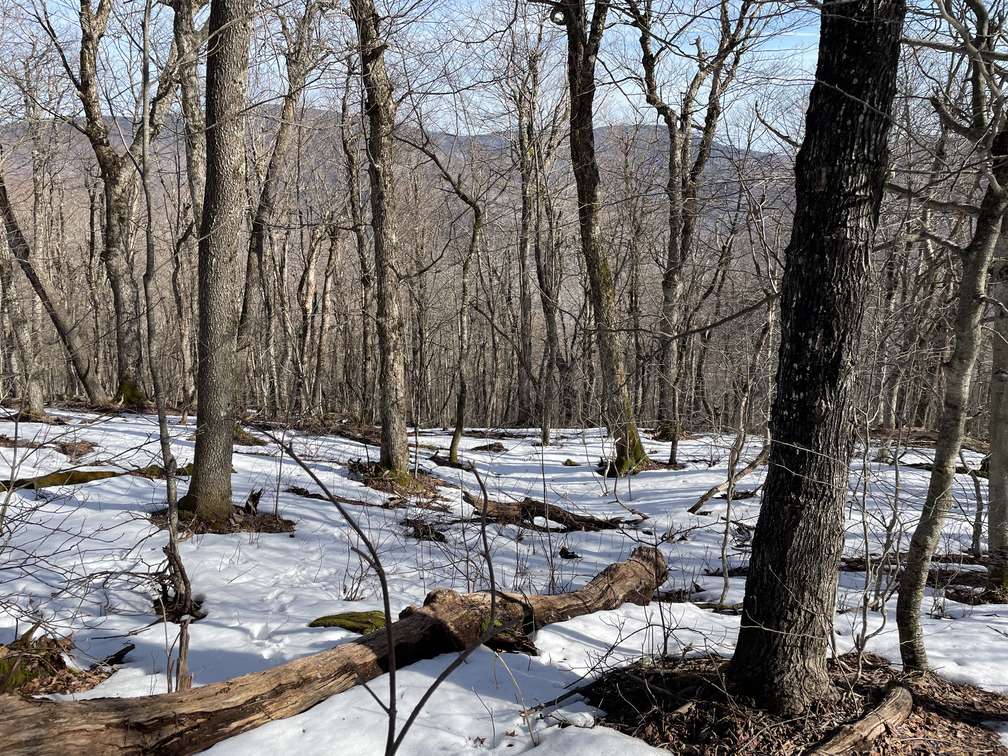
(958, 374)
(365, 399)
(185, 723)
(790, 599)
(525, 415)
(32, 403)
(583, 41)
(997, 506)
(380, 110)
(189, 40)
(223, 215)
(120, 186)
(298, 58)
(65, 328)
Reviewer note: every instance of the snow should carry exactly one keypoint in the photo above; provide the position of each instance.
(80, 559)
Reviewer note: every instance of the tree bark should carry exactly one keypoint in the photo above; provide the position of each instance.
(380, 111)
(584, 38)
(223, 216)
(997, 506)
(958, 374)
(185, 723)
(790, 600)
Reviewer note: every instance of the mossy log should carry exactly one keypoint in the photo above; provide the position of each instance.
(355, 622)
(80, 477)
(526, 511)
(189, 722)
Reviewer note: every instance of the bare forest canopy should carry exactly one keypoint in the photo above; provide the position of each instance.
(484, 90)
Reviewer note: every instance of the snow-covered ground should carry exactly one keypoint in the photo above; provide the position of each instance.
(80, 558)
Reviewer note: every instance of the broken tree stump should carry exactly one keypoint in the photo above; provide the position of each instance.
(526, 511)
(188, 722)
(892, 712)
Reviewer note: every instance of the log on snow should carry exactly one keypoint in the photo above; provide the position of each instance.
(891, 713)
(761, 459)
(526, 511)
(188, 722)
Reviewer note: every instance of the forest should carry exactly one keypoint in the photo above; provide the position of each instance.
(465, 323)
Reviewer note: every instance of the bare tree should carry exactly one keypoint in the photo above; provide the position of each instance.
(65, 327)
(986, 127)
(223, 216)
(380, 111)
(688, 157)
(301, 53)
(584, 38)
(29, 379)
(790, 599)
(120, 183)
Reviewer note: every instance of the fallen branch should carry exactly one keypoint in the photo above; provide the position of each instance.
(188, 722)
(892, 712)
(761, 459)
(526, 511)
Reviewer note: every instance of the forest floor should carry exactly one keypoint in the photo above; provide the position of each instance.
(82, 557)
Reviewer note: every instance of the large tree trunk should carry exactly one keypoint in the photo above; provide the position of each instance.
(380, 110)
(223, 215)
(790, 599)
(185, 723)
(583, 41)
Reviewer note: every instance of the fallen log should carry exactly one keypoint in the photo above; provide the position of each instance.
(188, 722)
(892, 712)
(526, 511)
(761, 459)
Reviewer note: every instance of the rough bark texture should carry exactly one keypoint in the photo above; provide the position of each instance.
(583, 41)
(997, 507)
(380, 111)
(958, 375)
(185, 723)
(790, 598)
(223, 214)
